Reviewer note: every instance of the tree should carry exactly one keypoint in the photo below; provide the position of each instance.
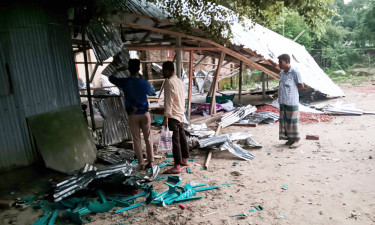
(216, 16)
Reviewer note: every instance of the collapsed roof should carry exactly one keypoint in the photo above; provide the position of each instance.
(144, 26)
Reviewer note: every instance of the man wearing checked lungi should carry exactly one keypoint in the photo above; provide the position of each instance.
(290, 83)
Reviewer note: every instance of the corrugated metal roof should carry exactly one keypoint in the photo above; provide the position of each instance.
(270, 45)
(37, 47)
(264, 42)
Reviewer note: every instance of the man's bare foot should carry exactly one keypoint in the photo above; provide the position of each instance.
(149, 165)
(173, 170)
(289, 142)
(184, 162)
(295, 144)
(141, 166)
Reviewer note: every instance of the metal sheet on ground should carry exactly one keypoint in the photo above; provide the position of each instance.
(63, 139)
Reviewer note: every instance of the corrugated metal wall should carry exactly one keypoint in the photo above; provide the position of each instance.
(35, 44)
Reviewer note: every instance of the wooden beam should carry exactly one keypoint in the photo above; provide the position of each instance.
(191, 61)
(209, 154)
(214, 84)
(161, 89)
(240, 84)
(178, 58)
(237, 55)
(170, 47)
(263, 86)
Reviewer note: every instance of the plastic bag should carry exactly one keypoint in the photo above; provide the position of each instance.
(165, 140)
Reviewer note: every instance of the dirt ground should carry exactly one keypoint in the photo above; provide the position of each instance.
(326, 181)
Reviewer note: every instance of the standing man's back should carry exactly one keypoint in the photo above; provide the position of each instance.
(174, 113)
(136, 90)
(175, 98)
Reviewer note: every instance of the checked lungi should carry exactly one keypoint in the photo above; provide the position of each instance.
(288, 122)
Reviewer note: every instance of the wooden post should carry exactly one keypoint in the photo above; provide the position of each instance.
(263, 86)
(240, 83)
(214, 84)
(191, 61)
(209, 154)
(178, 58)
(89, 99)
(94, 72)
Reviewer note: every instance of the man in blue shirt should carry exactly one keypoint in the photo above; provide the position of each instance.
(290, 83)
(136, 90)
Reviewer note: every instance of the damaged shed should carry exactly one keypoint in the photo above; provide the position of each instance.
(38, 74)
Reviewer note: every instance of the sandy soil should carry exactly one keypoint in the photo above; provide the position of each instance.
(329, 181)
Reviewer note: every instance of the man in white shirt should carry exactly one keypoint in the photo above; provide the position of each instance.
(174, 113)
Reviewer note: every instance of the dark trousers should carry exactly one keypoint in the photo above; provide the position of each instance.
(179, 142)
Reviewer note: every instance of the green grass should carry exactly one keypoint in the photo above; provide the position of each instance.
(351, 77)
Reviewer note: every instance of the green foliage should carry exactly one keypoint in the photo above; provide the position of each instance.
(338, 42)
(215, 20)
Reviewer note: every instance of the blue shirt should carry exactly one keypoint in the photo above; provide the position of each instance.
(135, 91)
(288, 89)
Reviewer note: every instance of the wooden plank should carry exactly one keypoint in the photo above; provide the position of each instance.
(209, 154)
(156, 80)
(240, 84)
(170, 47)
(161, 89)
(178, 58)
(191, 61)
(101, 96)
(263, 86)
(206, 119)
(245, 124)
(214, 84)
(228, 51)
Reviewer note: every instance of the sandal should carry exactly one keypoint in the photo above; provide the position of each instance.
(171, 171)
(290, 142)
(185, 163)
(294, 145)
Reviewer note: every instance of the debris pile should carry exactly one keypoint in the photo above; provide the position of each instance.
(77, 208)
(236, 115)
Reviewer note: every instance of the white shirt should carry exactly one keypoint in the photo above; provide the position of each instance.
(174, 98)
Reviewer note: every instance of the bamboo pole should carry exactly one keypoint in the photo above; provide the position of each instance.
(191, 59)
(240, 84)
(214, 84)
(89, 99)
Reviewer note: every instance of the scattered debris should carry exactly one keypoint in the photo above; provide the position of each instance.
(208, 214)
(204, 109)
(236, 115)
(199, 130)
(182, 206)
(239, 215)
(312, 137)
(217, 140)
(114, 155)
(237, 151)
(259, 208)
(285, 187)
(168, 155)
(261, 117)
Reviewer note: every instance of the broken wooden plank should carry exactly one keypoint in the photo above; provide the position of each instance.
(209, 154)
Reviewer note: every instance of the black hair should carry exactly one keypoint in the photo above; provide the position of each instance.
(284, 57)
(134, 66)
(168, 65)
